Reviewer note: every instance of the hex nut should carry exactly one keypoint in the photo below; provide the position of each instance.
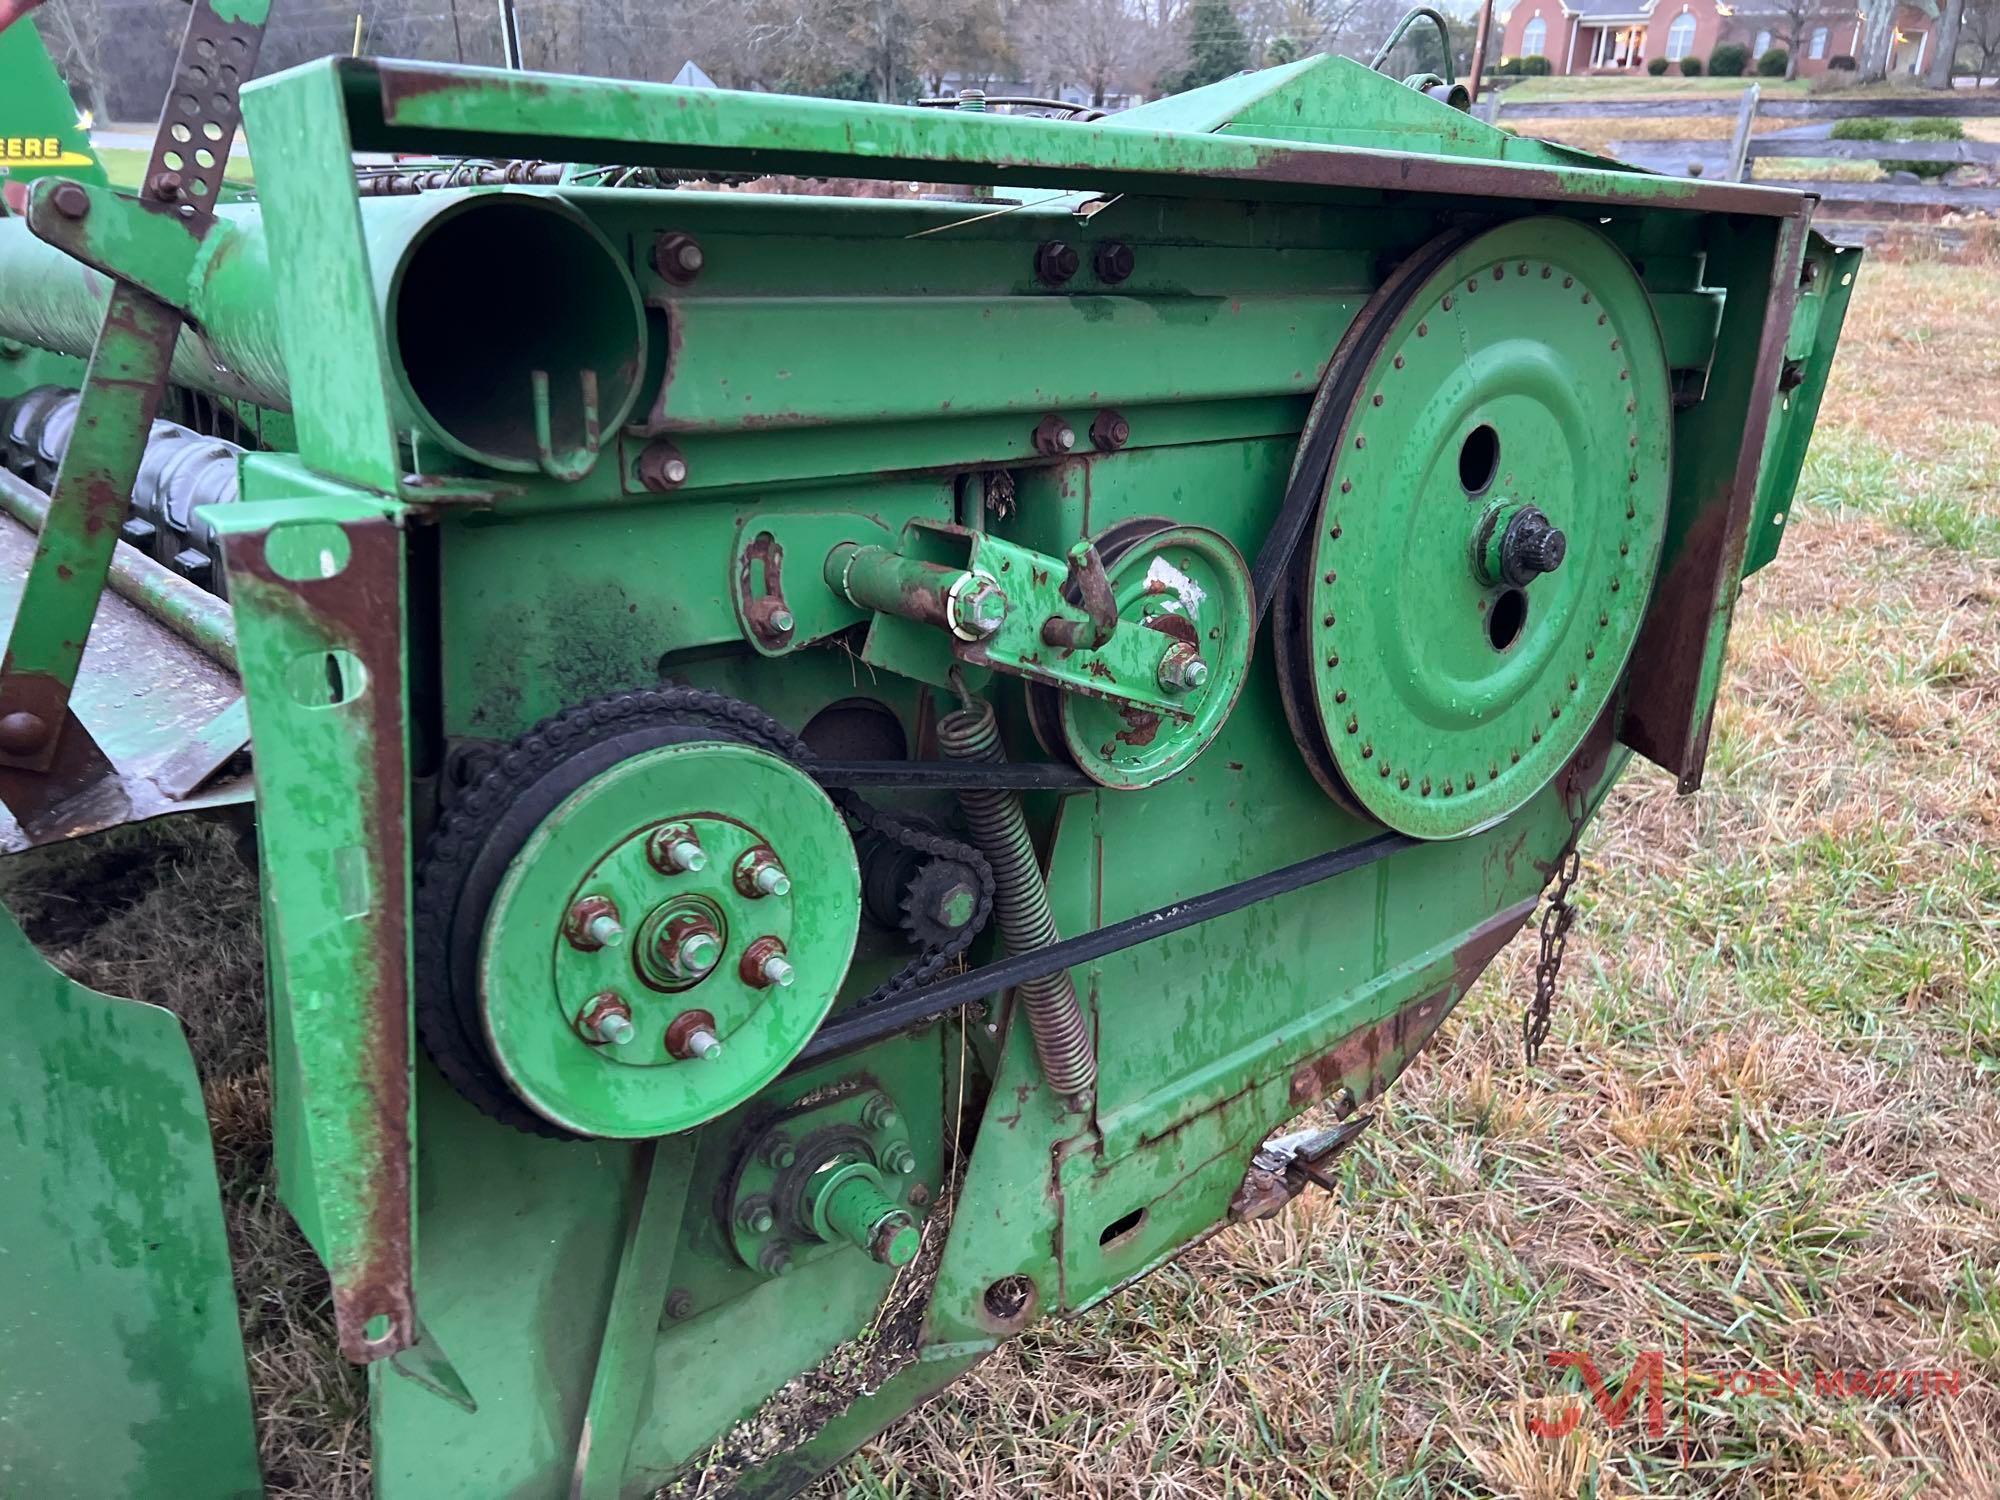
(678, 257)
(662, 468)
(1109, 432)
(1113, 261)
(1056, 261)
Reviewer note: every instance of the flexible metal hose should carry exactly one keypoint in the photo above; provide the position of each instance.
(1021, 902)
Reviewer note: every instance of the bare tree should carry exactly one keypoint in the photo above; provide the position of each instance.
(1980, 37)
(1878, 34)
(77, 34)
(1944, 60)
(1100, 46)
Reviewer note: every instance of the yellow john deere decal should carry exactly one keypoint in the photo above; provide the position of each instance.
(38, 151)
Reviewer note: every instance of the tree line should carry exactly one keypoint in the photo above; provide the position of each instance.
(117, 54)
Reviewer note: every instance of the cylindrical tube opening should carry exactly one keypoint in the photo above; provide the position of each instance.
(519, 333)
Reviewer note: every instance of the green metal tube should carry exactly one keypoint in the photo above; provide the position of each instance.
(967, 605)
(192, 613)
(505, 312)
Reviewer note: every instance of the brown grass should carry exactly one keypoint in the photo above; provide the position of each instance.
(1768, 1116)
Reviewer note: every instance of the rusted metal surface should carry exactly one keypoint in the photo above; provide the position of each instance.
(1677, 663)
(334, 788)
(1367, 1061)
(160, 709)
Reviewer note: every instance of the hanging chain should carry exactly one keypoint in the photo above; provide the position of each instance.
(1557, 919)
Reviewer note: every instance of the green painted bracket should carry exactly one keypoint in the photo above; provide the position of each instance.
(120, 236)
(336, 352)
(1815, 333)
(124, 1371)
(1720, 445)
(317, 584)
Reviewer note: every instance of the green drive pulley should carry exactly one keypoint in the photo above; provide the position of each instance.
(1491, 525)
(643, 973)
(1188, 584)
(632, 937)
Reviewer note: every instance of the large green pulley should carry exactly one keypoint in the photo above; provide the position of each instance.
(667, 939)
(1489, 533)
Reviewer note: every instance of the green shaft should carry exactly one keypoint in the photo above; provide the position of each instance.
(52, 302)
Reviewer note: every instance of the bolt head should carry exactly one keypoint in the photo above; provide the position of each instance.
(1055, 262)
(673, 851)
(981, 610)
(956, 906)
(704, 1045)
(615, 1029)
(1182, 670)
(776, 1260)
(772, 880)
(605, 931)
(757, 1217)
(779, 1153)
(1113, 261)
(22, 733)
(778, 971)
(688, 256)
(783, 621)
(900, 1159)
(70, 200)
(680, 1304)
(661, 468)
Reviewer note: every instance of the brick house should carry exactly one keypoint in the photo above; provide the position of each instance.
(1621, 36)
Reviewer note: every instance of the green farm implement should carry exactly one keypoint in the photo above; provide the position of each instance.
(848, 710)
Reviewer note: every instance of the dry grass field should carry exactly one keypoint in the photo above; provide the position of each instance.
(1767, 1128)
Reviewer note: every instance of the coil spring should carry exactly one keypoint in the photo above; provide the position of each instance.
(1021, 902)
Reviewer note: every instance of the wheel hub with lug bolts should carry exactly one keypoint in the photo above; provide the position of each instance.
(685, 928)
(830, 1178)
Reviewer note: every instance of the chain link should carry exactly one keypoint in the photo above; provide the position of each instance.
(1557, 919)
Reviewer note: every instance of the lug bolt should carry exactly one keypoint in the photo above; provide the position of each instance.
(755, 1215)
(758, 873)
(879, 1113)
(900, 1159)
(71, 201)
(978, 611)
(592, 924)
(1109, 431)
(607, 1018)
(674, 850)
(1055, 262)
(777, 1152)
(661, 468)
(1054, 437)
(1113, 261)
(688, 947)
(678, 257)
(1182, 670)
(764, 965)
(703, 1045)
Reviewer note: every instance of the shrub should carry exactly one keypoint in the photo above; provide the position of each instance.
(1874, 128)
(1840, 62)
(1690, 67)
(1535, 67)
(1657, 66)
(1773, 63)
(1729, 60)
(1510, 67)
